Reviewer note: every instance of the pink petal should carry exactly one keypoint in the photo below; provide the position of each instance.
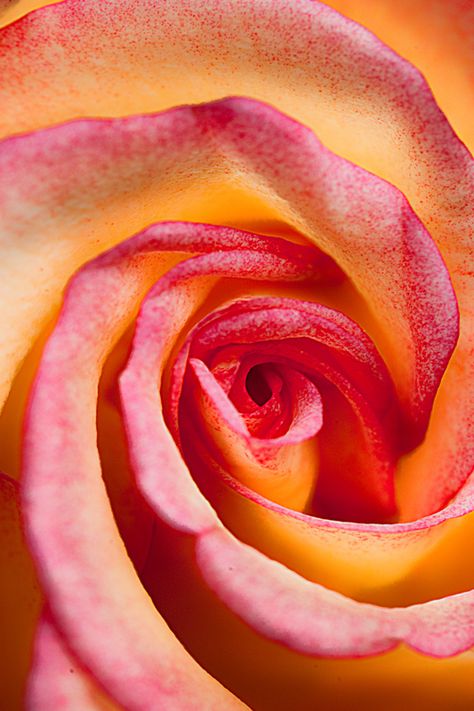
(96, 597)
(100, 300)
(334, 349)
(434, 36)
(313, 620)
(57, 681)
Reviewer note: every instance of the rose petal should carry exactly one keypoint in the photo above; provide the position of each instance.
(325, 345)
(246, 661)
(313, 620)
(56, 681)
(100, 300)
(284, 468)
(161, 475)
(178, 294)
(373, 107)
(81, 560)
(435, 36)
(109, 289)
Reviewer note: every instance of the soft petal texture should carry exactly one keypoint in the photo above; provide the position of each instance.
(284, 469)
(333, 59)
(436, 36)
(313, 620)
(418, 470)
(20, 598)
(312, 189)
(56, 681)
(162, 475)
(95, 304)
(372, 107)
(80, 557)
(332, 352)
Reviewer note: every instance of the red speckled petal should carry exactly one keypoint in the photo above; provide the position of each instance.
(179, 294)
(70, 510)
(358, 482)
(365, 629)
(373, 107)
(377, 241)
(57, 681)
(436, 36)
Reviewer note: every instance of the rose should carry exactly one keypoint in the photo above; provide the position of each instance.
(289, 190)
(349, 686)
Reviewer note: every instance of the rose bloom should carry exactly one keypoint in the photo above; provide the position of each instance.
(236, 364)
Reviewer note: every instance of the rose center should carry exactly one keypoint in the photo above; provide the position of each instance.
(257, 385)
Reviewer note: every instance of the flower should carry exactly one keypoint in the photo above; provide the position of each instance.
(269, 345)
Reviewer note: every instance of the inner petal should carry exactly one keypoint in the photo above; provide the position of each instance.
(273, 338)
(282, 468)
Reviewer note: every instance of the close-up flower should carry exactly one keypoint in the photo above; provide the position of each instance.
(236, 364)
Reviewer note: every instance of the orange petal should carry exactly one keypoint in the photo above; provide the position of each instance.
(436, 37)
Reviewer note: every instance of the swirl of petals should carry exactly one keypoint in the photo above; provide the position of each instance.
(102, 298)
(68, 192)
(67, 509)
(270, 464)
(439, 628)
(377, 241)
(333, 348)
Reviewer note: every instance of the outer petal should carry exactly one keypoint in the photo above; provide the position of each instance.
(82, 563)
(271, 676)
(372, 106)
(91, 585)
(436, 37)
